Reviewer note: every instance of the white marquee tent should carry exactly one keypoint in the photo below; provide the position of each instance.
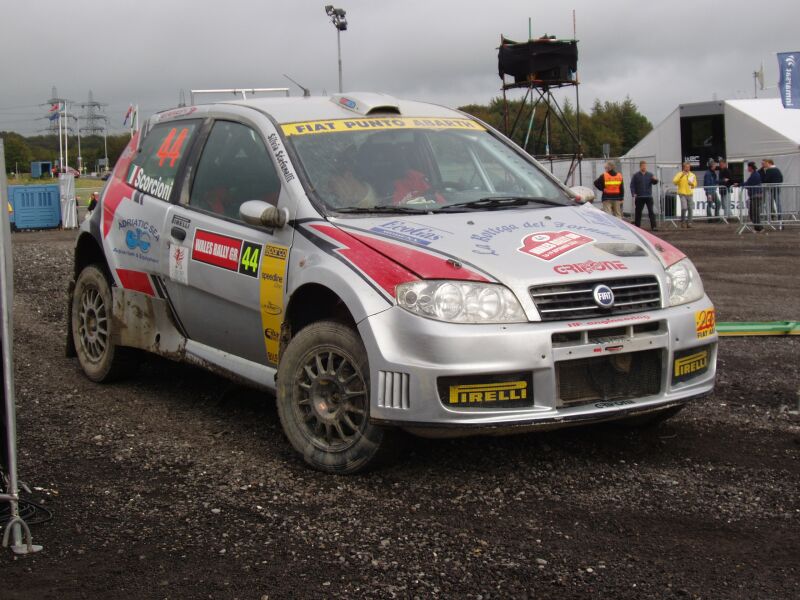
(753, 129)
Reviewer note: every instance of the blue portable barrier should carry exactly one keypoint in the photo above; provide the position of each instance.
(35, 206)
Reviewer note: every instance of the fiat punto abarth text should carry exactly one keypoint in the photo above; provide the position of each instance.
(379, 265)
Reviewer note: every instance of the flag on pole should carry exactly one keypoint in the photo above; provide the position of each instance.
(128, 114)
(53, 116)
(789, 83)
(55, 107)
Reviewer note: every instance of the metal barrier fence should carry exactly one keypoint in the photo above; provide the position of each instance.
(713, 204)
(772, 206)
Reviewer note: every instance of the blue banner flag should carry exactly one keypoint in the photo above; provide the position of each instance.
(789, 83)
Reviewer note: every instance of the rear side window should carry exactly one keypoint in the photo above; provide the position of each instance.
(153, 170)
(233, 169)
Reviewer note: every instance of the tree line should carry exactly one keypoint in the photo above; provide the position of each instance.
(21, 150)
(619, 124)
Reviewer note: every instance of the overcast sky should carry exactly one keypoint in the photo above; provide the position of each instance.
(145, 51)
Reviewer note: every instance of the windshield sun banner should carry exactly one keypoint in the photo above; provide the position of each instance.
(338, 125)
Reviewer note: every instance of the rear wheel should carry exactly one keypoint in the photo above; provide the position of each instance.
(323, 400)
(92, 328)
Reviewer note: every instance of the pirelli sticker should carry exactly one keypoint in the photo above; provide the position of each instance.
(273, 280)
(690, 363)
(705, 322)
(488, 395)
(339, 125)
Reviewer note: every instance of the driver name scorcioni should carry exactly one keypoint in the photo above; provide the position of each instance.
(143, 182)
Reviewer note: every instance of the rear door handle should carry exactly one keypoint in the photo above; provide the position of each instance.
(178, 233)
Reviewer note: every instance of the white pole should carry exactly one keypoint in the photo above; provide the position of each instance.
(105, 144)
(60, 144)
(66, 136)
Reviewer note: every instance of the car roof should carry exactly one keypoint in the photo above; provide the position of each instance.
(363, 104)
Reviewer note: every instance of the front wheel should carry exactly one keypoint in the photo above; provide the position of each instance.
(323, 400)
(90, 319)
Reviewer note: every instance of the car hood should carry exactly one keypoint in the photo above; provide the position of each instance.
(516, 247)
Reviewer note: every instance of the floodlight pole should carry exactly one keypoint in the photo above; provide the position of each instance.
(339, 21)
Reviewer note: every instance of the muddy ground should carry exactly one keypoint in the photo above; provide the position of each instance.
(179, 484)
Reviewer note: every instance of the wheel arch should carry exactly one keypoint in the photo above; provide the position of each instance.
(314, 302)
(89, 251)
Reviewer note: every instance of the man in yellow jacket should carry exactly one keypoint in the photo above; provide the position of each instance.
(686, 182)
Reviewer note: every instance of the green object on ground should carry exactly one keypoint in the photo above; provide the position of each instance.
(759, 328)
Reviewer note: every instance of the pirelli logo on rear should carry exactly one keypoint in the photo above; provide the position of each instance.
(688, 365)
(488, 393)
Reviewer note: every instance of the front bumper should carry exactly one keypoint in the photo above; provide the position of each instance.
(410, 356)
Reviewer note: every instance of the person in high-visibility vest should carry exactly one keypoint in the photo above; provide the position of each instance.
(610, 183)
(686, 182)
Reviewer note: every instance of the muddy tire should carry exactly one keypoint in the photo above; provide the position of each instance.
(323, 400)
(90, 320)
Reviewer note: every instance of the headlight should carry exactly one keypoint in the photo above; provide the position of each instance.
(460, 301)
(683, 282)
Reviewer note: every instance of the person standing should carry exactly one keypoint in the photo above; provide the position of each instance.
(642, 192)
(754, 192)
(92, 202)
(686, 181)
(772, 177)
(725, 178)
(710, 183)
(611, 184)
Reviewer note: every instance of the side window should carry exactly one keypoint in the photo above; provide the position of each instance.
(233, 169)
(154, 168)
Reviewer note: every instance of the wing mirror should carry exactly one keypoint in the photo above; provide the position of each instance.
(262, 214)
(583, 193)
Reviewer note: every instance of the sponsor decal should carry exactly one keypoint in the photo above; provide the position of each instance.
(280, 156)
(181, 221)
(136, 281)
(156, 187)
(689, 363)
(614, 403)
(139, 236)
(176, 112)
(366, 124)
(552, 244)
(590, 266)
(249, 259)
(483, 394)
(603, 296)
(273, 276)
(409, 231)
(609, 321)
(179, 264)
(705, 322)
(215, 249)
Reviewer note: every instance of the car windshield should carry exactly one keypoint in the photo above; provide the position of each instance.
(415, 164)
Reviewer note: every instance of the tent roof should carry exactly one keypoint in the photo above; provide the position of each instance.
(770, 112)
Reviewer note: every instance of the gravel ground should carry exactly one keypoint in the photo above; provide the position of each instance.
(179, 484)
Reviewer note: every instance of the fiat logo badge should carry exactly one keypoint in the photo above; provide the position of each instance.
(603, 296)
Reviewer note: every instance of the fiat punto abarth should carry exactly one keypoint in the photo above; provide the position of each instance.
(378, 265)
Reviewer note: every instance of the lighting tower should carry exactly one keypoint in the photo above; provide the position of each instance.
(339, 21)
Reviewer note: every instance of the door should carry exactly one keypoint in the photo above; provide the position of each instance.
(226, 279)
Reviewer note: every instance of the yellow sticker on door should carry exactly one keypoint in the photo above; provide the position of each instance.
(273, 279)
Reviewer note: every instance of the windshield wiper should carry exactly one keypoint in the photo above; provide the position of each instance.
(491, 202)
(380, 209)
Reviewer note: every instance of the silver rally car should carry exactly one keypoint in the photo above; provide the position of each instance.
(381, 264)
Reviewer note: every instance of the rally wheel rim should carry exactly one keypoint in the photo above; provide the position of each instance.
(330, 400)
(93, 324)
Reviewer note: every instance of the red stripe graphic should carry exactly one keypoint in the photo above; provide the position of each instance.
(136, 281)
(386, 273)
(427, 266)
(667, 253)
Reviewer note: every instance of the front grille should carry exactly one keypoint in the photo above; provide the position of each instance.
(609, 377)
(575, 301)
